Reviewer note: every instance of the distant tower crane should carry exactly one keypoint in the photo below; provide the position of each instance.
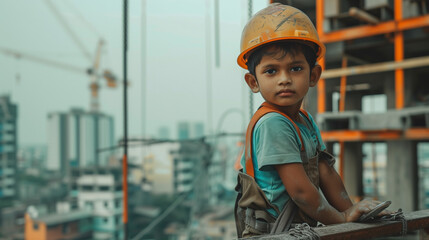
(93, 71)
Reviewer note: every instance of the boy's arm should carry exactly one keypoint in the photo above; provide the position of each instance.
(333, 188)
(308, 198)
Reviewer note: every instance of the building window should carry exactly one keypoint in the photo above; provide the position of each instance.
(106, 204)
(35, 226)
(117, 204)
(89, 205)
(105, 220)
(66, 228)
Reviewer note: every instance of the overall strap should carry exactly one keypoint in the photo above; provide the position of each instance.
(264, 109)
(305, 113)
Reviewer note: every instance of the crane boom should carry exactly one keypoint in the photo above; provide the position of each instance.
(66, 66)
(93, 71)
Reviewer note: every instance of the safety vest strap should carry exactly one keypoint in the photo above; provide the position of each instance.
(264, 109)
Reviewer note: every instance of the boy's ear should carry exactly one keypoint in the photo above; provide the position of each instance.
(315, 75)
(251, 82)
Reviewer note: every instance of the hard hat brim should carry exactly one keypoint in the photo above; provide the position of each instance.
(242, 58)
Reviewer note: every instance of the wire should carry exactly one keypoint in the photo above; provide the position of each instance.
(125, 106)
(178, 201)
(182, 197)
(82, 19)
(151, 141)
(69, 30)
(217, 33)
(167, 211)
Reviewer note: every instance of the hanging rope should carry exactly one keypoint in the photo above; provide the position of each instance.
(303, 231)
(397, 216)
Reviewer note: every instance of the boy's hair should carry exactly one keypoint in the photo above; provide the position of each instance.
(283, 47)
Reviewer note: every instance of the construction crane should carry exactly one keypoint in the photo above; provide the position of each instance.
(93, 71)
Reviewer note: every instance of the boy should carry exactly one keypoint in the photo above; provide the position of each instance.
(285, 161)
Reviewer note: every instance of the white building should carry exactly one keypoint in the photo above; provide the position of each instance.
(75, 138)
(99, 190)
(152, 166)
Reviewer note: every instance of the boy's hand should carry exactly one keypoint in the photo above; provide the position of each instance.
(353, 213)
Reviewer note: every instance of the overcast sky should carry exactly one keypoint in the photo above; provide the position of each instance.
(176, 66)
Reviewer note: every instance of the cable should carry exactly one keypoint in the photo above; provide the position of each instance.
(82, 19)
(147, 142)
(125, 144)
(167, 211)
(69, 30)
(180, 199)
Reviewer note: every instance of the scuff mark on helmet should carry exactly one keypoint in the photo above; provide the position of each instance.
(285, 20)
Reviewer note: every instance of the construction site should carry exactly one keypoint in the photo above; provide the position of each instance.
(371, 105)
(372, 101)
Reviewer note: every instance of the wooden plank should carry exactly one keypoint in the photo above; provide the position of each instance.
(362, 15)
(376, 67)
(360, 135)
(350, 231)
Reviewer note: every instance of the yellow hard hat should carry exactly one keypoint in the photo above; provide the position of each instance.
(278, 22)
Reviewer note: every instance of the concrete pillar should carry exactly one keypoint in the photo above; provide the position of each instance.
(389, 90)
(401, 175)
(353, 101)
(353, 168)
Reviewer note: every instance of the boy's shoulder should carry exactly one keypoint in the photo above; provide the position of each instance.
(275, 121)
(274, 117)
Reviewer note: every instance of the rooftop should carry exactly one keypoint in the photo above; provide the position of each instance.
(60, 218)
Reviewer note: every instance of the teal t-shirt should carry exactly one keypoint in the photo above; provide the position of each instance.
(275, 141)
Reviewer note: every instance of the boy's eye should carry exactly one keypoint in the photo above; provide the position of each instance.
(296, 69)
(270, 71)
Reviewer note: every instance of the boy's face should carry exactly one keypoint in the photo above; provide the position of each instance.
(283, 80)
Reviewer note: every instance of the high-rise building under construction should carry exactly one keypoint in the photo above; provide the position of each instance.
(75, 139)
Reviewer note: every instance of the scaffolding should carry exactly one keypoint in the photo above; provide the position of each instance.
(379, 47)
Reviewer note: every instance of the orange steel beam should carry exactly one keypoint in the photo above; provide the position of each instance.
(417, 133)
(321, 88)
(371, 30)
(399, 56)
(354, 135)
(376, 67)
(343, 86)
(375, 135)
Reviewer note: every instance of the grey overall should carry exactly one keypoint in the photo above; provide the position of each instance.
(251, 215)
